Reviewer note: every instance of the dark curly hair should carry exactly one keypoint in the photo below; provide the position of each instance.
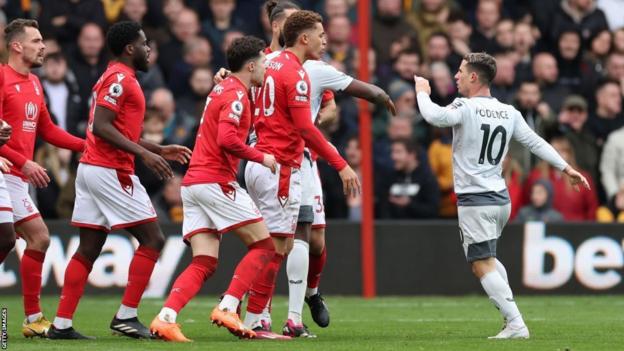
(297, 23)
(121, 34)
(242, 50)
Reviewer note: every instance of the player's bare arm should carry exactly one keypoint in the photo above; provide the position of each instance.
(178, 153)
(5, 133)
(103, 128)
(576, 178)
(372, 93)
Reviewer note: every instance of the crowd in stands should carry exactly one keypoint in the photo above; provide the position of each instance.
(560, 63)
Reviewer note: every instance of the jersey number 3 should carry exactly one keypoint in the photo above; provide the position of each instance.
(488, 142)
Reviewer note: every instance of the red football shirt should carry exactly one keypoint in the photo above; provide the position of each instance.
(216, 154)
(25, 110)
(119, 91)
(286, 86)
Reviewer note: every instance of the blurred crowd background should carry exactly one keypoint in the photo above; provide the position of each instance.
(560, 62)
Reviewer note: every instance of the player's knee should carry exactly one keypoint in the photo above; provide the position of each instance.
(156, 241)
(40, 241)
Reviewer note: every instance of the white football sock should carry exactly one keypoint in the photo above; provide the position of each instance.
(168, 315)
(126, 312)
(311, 291)
(501, 270)
(297, 272)
(251, 319)
(500, 294)
(229, 302)
(33, 317)
(62, 323)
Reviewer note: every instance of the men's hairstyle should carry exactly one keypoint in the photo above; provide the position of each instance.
(440, 34)
(55, 56)
(17, 28)
(121, 34)
(242, 50)
(410, 146)
(276, 8)
(604, 82)
(482, 64)
(297, 23)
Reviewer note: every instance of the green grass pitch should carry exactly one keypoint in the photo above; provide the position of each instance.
(389, 323)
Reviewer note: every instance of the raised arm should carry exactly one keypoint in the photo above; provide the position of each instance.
(433, 113)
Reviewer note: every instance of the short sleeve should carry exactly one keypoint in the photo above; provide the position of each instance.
(328, 77)
(297, 88)
(113, 92)
(232, 108)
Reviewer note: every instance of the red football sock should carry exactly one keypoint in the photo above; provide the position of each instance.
(30, 270)
(139, 275)
(76, 275)
(259, 256)
(262, 288)
(317, 263)
(190, 281)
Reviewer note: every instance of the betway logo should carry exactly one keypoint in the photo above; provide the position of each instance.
(110, 270)
(597, 263)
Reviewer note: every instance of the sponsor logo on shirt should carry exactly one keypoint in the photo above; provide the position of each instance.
(31, 111)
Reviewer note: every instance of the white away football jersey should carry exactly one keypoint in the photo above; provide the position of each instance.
(482, 129)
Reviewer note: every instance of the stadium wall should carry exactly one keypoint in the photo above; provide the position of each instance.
(412, 258)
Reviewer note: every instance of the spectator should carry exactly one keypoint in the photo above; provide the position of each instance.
(618, 41)
(388, 24)
(607, 116)
(184, 26)
(443, 88)
(483, 38)
(596, 57)
(52, 46)
(459, 31)
(615, 69)
(523, 43)
(404, 97)
(399, 127)
(612, 172)
(512, 173)
(540, 207)
(168, 203)
(88, 61)
(538, 116)
(573, 121)
(136, 10)
(441, 161)
(154, 126)
(222, 20)
(335, 8)
(336, 204)
(429, 17)
(582, 15)
(505, 35)
(65, 19)
(439, 50)
(197, 52)
(546, 74)
(411, 191)
(57, 163)
(569, 57)
(338, 35)
(194, 100)
(63, 94)
(153, 130)
(502, 86)
(406, 66)
(154, 78)
(573, 205)
(179, 126)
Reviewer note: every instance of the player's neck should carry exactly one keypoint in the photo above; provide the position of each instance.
(275, 45)
(483, 91)
(19, 65)
(244, 78)
(299, 52)
(126, 62)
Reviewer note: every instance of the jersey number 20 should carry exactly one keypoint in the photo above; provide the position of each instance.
(488, 142)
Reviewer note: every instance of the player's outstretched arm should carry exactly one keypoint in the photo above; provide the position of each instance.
(56, 136)
(173, 152)
(576, 178)
(103, 127)
(433, 113)
(372, 93)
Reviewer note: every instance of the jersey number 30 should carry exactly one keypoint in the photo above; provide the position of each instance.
(488, 142)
